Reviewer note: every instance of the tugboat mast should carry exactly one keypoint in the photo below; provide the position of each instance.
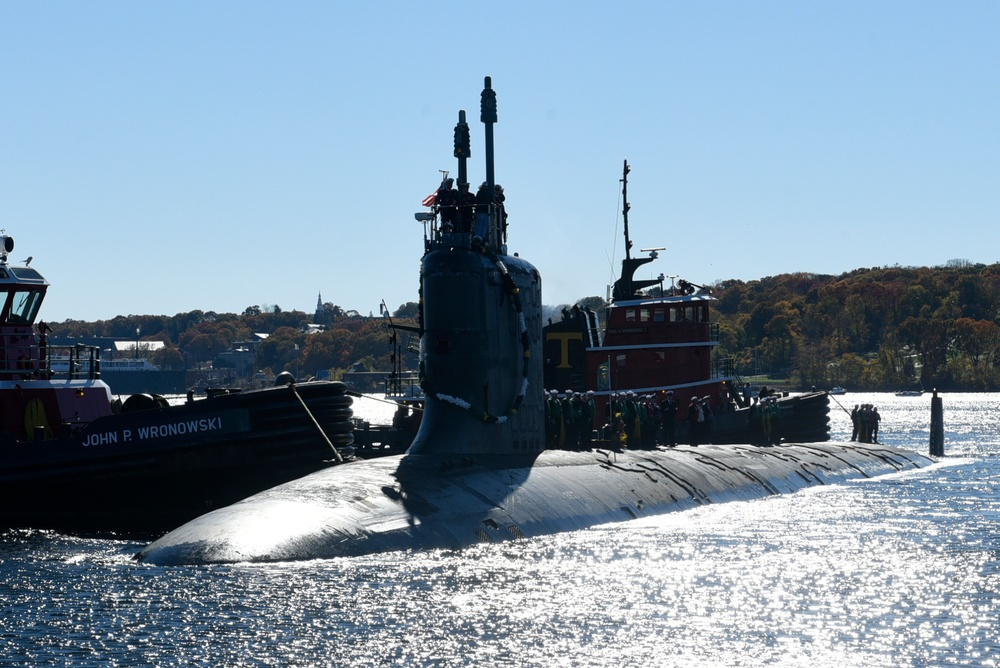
(625, 207)
(627, 287)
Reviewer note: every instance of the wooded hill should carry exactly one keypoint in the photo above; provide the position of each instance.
(869, 329)
(195, 339)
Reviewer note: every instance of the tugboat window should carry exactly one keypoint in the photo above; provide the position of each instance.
(658, 315)
(630, 315)
(25, 306)
(644, 315)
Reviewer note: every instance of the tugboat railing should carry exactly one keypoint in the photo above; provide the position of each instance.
(403, 386)
(725, 369)
(45, 362)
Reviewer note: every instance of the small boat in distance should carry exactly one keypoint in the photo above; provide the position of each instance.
(912, 391)
(838, 390)
(73, 459)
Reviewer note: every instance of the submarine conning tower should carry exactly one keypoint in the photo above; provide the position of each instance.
(480, 366)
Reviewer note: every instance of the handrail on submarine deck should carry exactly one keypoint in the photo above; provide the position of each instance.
(436, 234)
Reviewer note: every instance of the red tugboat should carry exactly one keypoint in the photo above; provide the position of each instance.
(659, 344)
(72, 459)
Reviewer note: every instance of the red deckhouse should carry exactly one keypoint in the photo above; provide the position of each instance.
(653, 344)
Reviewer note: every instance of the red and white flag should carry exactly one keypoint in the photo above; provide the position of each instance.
(431, 199)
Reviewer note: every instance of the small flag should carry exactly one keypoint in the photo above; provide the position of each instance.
(604, 376)
(381, 308)
(431, 199)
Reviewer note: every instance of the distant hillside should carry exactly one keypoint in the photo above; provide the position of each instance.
(883, 328)
(196, 339)
(875, 329)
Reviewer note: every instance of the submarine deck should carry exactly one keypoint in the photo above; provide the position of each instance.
(427, 502)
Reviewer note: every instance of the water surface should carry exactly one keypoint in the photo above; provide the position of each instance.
(902, 570)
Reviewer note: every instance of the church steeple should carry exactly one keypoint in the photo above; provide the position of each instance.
(319, 307)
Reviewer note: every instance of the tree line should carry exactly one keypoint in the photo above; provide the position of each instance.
(196, 338)
(879, 329)
(869, 329)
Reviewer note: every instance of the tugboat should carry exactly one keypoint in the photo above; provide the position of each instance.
(658, 344)
(73, 459)
(478, 470)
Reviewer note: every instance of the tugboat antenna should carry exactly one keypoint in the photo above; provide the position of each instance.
(627, 287)
(625, 207)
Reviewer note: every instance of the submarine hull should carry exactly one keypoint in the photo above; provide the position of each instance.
(431, 502)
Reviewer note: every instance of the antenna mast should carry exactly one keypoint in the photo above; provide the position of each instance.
(625, 207)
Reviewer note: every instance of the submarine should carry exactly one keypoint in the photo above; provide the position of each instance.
(478, 469)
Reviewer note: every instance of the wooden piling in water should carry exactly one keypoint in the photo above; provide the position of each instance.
(937, 426)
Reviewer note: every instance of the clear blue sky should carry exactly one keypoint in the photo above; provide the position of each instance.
(157, 158)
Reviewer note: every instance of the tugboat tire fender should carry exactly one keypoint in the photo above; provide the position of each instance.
(139, 402)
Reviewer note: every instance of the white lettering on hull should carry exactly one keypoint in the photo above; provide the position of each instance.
(104, 438)
(179, 428)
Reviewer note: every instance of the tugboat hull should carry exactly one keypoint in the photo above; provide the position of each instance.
(145, 471)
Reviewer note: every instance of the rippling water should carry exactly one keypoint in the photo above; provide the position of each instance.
(899, 570)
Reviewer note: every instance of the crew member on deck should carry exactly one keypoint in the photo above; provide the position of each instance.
(694, 417)
(447, 198)
(863, 431)
(501, 214)
(466, 202)
(766, 413)
(630, 414)
(570, 413)
(708, 412)
(484, 199)
(756, 422)
(644, 406)
(668, 418)
(553, 420)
